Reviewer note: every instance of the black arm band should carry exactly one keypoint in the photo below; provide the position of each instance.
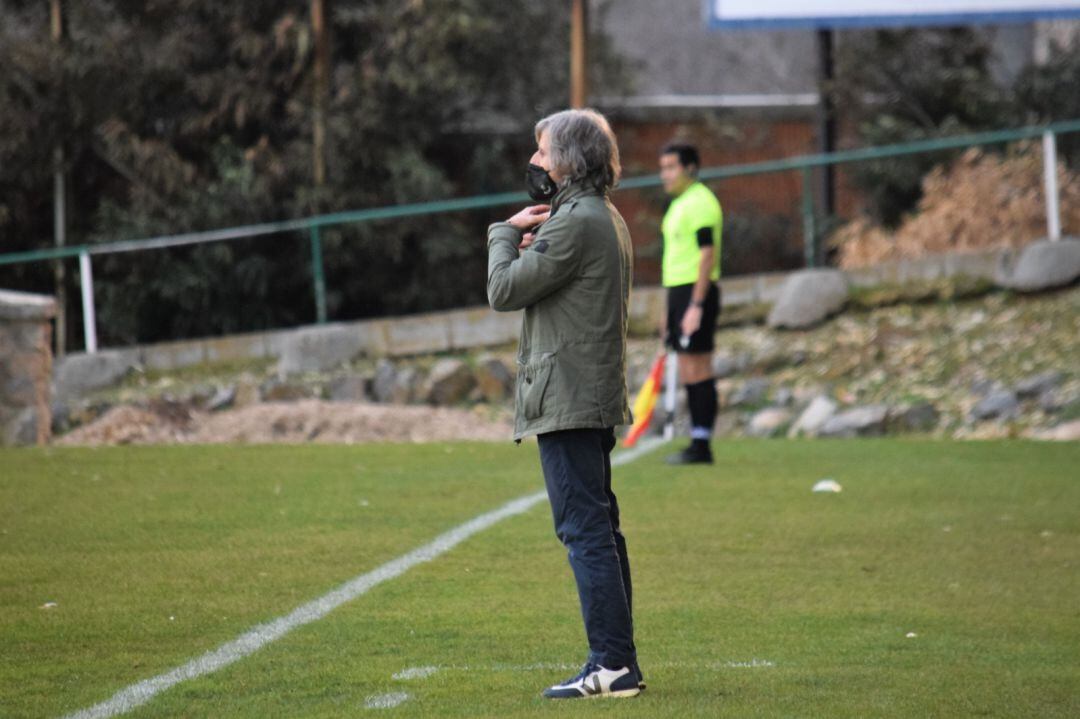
(704, 237)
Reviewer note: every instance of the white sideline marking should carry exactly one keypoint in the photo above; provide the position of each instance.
(386, 701)
(415, 673)
(714, 666)
(255, 639)
(752, 664)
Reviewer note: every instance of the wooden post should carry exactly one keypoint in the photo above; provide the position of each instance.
(56, 32)
(579, 53)
(322, 90)
(826, 124)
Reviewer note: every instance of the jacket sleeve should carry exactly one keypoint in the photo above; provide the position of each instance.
(517, 281)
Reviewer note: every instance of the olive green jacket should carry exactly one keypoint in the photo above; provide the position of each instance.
(574, 284)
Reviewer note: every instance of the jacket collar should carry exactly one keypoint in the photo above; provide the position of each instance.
(570, 192)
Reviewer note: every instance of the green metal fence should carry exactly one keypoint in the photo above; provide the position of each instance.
(312, 225)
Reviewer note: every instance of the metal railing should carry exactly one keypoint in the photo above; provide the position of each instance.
(804, 163)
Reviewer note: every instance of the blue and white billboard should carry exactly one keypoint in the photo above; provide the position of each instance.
(780, 14)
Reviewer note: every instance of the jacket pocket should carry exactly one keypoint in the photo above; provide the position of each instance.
(534, 385)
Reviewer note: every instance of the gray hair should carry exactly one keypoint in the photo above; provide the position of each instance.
(583, 148)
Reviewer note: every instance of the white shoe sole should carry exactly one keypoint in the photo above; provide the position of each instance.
(621, 694)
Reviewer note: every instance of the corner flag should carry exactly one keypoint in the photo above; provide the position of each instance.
(646, 402)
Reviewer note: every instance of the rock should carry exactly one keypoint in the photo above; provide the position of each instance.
(347, 388)
(494, 379)
(1044, 265)
(814, 417)
(61, 417)
(857, 422)
(808, 297)
(247, 391)
(317, 349)
(79, 374)
(1001, 404)
(805, 394)
(784, 397)
(20, 426)
(726, 424)
(407, 386)
(723, 365)
(450, 382)
(768, 422)
(1066, 432)
(770, 360)
(918, 417)
(1052, 400)
(1038, 384)
(68, 416)
(984, 386)
(224, 398)
(752, 391)
(275, 390)
(199, 396)
(382, 385)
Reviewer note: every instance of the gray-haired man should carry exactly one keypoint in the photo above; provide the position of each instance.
(568, 265)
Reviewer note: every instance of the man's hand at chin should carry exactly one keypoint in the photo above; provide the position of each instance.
(530, 217)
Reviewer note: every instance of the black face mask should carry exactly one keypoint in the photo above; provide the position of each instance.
(539, 183)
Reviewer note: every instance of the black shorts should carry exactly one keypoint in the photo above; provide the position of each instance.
(678, 300)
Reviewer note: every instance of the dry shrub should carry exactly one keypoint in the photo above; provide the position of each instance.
(982, 201)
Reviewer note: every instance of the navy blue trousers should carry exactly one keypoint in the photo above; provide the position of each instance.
(577, 472)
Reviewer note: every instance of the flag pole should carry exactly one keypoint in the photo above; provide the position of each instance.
(669, 396)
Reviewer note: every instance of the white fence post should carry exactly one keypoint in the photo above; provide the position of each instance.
(1053, 213)
(670, 388)
(86, 281)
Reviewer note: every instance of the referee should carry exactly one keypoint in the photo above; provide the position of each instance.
(691, 268)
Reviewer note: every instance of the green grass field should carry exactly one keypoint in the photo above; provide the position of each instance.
(753, 595)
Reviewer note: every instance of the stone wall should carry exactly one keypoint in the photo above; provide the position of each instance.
(319, 346)
(25, 367)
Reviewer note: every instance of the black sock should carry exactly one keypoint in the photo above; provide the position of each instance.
(701, 399)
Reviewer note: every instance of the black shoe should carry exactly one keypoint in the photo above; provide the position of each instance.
(694, 454)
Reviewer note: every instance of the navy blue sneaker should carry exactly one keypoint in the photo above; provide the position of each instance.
(597, 681)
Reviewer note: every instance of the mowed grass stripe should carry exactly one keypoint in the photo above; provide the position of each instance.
(154, 554)
(734, 563)
(973, 547)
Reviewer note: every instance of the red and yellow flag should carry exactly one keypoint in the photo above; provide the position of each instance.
(646, 402)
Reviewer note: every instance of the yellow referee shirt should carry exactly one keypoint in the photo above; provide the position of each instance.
(696, 208)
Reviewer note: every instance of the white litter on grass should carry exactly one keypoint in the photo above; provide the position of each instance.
(140, 693)
(415, 673)
(48, 605)
(828, 485)
(386, 701)
(911, 635)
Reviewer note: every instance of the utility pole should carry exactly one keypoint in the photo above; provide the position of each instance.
(579, 53)
(322, 90)
(56, 23)
(826, 126)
